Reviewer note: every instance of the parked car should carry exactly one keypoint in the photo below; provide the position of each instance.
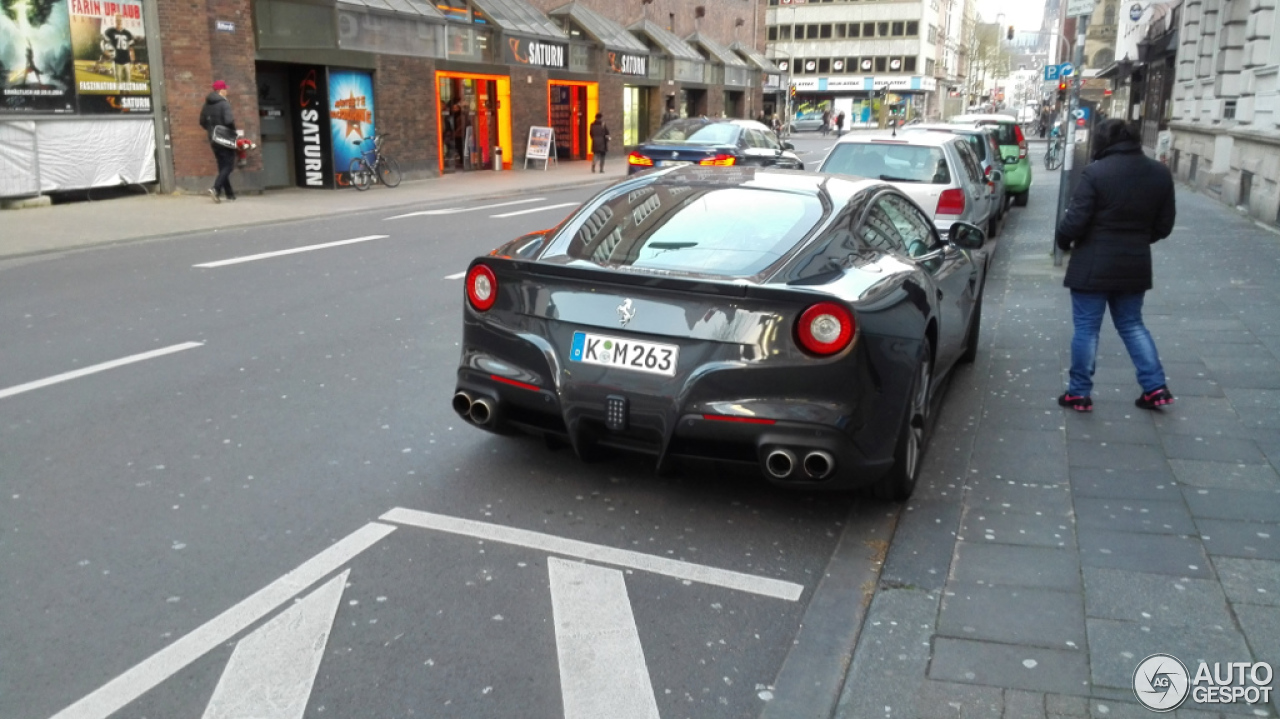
(1013, 146)
(811, 122)
(938, 171)
(987, 149)
(795, 322)
(713, 143)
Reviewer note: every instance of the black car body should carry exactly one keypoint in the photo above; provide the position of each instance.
(713, 143)
(798, 322)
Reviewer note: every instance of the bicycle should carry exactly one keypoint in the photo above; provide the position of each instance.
(373, 166)
(1053, 155)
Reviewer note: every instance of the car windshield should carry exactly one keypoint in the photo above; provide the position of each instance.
(728, 232)
(698, 132)
(1003, 131)
(890, 162)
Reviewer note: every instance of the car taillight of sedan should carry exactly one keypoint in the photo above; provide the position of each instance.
(719, 161)
(825, 329)
(638, 160)
(951, 202)
(482, 288)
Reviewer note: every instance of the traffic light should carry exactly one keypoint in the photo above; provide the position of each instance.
(793, 90)
(1009, 35)
(1062, 90)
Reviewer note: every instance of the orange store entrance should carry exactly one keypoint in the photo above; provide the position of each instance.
(571, 108)
(474, 113)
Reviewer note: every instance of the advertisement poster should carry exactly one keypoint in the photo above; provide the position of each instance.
(351, 125)
(35, 57)
(312, 148)
(109, 44)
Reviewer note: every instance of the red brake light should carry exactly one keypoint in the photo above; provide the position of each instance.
(636, 158)
(1022, 142)
(951, 202)
(482, 288)
(719, 161)
(825, 329)
(737, 418)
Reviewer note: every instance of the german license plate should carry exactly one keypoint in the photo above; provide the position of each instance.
(673, 163)
(652, 357)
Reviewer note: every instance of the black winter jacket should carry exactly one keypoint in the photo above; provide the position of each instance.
(216, 111)
(599, 137)
(1123, 204)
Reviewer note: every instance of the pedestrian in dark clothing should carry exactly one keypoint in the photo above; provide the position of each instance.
(458, 132)
(840, 123)
(217, 111)
(1123, 204)
(670, 115)
(599, 142)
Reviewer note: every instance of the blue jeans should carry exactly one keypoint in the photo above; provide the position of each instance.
(1087, 309)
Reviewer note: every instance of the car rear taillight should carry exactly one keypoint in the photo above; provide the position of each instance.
(987, 174)
(482, 288)
(639, 160)
(951, 202)
(825, 329)
(1022, 142)
(719, 161)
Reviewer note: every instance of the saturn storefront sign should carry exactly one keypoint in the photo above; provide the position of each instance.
(621, 63)
(537, 53)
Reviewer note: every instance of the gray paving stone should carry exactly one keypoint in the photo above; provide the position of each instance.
(1006, 527)
(892, 656)
(920, 553)
(1112, 709)
(1020, 455)
(1250, 581)
(1259, 350)
(1006, 665)
(1112, 424)
(1213, 448)
(1261, 626)
(1256, 398)
(1020, 704)
(1066, 705)
(1107, 482)
(1138, 552)
(1224, 475)
(1259, 418)
(1009, 565)
(1233, 504)
(1134, 515)
(1013, 615)
(1049, 500)
(961, 701)
(1199, 416)
(1254, 540)
(1114, 455)
(1154, 599)
(1116, 647)
(1048, 417)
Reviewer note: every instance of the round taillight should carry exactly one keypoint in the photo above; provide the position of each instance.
(825, 328)
(482, 287)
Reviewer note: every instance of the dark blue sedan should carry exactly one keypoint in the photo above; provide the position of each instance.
(714, 143)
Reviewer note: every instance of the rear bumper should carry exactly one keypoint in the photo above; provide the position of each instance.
(1017, 177)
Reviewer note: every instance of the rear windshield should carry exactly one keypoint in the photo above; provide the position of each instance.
(698, 132)
(1003, 131)
(889, 162)
(729, 232)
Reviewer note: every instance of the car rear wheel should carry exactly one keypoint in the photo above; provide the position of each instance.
(1020, 199)
(900, 482)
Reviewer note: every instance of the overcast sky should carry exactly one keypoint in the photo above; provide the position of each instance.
(1024, 15)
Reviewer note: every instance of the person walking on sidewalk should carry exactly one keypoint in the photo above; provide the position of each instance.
(1123, 204)
(599, 142)
(217, 111)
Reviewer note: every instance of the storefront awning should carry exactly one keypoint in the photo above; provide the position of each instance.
(412, 9)
(520, 18)
(601, 29)
(755, 59)
(715, 51)
(666, 41)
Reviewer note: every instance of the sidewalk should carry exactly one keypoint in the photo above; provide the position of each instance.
(83, 224)
(1046, 553)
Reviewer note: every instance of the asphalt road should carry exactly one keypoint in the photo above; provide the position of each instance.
(208, 525)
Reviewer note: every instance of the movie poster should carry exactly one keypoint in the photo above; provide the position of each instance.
(109, 44)
(350, 119)
(312, 145)
(35, 57)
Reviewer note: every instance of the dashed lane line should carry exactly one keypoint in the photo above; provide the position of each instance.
(92, 369)
(455, 276)
(536, 209)
(455, 210)
(292, 251)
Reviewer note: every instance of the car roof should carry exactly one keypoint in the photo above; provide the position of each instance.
(932, 139)
(837, 188)
(726, 120)
(971, 119)
(952, 128)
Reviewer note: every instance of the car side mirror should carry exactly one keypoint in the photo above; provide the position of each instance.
(788, 146)
(966, 236)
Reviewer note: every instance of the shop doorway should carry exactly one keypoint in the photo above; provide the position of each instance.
(571, 108)
(276, 144)
(733, 104)
(474, 114)
(693, 103)
(635, 114)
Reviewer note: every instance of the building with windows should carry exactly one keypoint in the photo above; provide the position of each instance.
(853, 55)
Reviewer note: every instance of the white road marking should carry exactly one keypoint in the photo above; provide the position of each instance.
(729, 579)
(455, 276)
(127, 687)
(271, 672)
(455, 210)
(602, 667)
(293, 251)
(74, 374)
(537, 209)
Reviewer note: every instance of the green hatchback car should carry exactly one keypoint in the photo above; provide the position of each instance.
(1013, 146)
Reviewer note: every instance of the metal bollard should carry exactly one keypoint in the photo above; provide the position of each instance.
(497, 159)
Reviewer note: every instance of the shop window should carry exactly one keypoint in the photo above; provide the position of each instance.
(773, 32)
(294, 25)
(913, 29)
(797, 66)
(882, 64)
(908, 64)
(855, 30)
(868, 29)
(898, 28)
(824, 31)
(824, 65)
(579, 58)
(882, 29)
(784, 32)
(841, 30)
(811, 32)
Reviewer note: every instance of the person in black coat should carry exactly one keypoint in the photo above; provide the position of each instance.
(599, 142)
(1123, 204)
(217, 111)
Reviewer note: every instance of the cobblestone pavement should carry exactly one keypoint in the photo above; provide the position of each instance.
(1045, 554)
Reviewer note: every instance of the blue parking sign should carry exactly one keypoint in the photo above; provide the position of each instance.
(1050, 72)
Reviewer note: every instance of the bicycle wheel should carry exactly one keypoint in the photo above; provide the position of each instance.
(389, 171)
(361, 175)
(1053, 160)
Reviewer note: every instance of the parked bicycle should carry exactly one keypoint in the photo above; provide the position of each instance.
(1053, 155)
(373, 165)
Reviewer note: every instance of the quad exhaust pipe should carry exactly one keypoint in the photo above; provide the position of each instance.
(783, 463)
(780, 463)
(819, 464)
(478, 410)
(462, 404)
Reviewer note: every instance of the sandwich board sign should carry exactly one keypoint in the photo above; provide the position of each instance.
(541, 146)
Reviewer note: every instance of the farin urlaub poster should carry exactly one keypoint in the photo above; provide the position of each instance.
(350, 119)
(109, 43)
(35, 57)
